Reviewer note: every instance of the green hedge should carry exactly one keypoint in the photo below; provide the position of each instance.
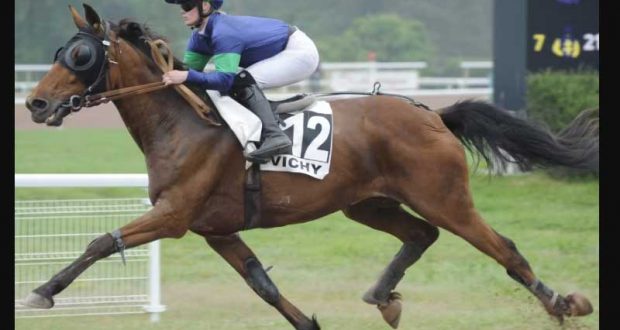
(557, 97)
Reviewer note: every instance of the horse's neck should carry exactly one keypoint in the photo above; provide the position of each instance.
(175, 144)
(135, 115)
(142, 114)
(153, 118)
(175, 141)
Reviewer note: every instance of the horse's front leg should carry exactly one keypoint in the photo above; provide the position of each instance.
(159, 222)
(243, 260)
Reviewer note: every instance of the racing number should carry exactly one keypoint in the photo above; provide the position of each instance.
(312, 152)
(539, 41)
(591, 43)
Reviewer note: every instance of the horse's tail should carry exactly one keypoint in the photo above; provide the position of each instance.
(501, 138)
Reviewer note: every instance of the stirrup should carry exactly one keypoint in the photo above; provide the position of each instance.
(264, 156)
(274, 151)
(256, 160)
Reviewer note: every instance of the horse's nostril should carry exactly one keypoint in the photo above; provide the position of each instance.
(38, 104)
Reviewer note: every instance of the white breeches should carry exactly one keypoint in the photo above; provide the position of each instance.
(295, 63)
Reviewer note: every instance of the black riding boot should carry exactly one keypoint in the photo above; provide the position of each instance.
(274, 141)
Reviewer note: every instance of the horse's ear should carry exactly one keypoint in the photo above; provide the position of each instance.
(93, 19)
(77, 19)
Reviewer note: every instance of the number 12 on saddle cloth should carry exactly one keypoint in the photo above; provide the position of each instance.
(310, 130)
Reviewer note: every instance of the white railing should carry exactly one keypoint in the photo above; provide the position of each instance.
(483, 65)
(486, 66)
(453, 82)
(49, 234)
(81, 180)
(396, 77)
(27, 76)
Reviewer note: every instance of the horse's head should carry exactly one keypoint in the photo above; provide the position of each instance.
(79, 69)
(102, 62)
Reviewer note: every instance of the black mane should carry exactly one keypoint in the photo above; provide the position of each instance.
(137, 34)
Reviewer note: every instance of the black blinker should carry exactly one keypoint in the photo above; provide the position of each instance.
(82, 55)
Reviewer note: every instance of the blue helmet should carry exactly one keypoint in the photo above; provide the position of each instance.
(216, 4)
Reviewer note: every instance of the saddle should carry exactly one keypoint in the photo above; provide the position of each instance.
(292, 104)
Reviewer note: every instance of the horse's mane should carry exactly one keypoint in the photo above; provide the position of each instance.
(137, 34)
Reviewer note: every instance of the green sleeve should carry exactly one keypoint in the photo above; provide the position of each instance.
(195, 60)
(227, 62)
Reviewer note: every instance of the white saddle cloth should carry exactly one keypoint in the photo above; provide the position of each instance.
(245, 125)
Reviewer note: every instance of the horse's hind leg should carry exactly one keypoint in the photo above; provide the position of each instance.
(243, 260)
(447, 203)
(416, 234)
(504, 251)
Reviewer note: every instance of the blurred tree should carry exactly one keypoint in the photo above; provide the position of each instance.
(390, 37)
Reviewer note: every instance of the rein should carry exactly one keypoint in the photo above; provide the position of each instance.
(104, 97)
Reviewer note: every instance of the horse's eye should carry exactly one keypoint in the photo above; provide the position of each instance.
(81, 55)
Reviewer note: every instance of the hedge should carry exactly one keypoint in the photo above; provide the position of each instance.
(557, 97)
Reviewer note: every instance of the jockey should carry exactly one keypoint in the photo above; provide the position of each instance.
(271, 52)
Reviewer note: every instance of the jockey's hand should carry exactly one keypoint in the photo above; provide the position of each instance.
(175, 77)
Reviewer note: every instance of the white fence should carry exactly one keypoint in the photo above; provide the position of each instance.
(27, 76)
(50, 234)
(395, 77)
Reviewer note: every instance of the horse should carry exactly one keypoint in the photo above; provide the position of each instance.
(389, 154)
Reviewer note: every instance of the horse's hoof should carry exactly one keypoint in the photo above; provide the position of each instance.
(579, 305)
(35, 300)
(391, 311)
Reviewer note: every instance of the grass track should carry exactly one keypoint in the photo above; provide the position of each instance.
(325, 266)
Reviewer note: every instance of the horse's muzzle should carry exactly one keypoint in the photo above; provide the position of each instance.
(50, 112)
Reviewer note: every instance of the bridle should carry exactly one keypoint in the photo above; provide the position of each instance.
(98, 49)
(90, 51)
(86, 43)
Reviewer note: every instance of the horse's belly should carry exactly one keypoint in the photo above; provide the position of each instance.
(219, 216)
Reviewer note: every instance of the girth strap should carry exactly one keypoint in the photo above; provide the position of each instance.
(251, 197)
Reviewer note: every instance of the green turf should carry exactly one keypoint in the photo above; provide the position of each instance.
(76, 151)
(325, 266)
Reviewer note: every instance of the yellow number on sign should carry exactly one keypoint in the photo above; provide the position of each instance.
(539, 38)
(566, 48)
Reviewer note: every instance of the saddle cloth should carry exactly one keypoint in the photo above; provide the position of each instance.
(310, 130)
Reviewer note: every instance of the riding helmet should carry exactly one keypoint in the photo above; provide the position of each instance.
(216, 4)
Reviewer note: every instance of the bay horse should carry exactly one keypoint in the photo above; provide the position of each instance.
(388, 153)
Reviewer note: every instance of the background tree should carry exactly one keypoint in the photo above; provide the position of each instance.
(389, 36)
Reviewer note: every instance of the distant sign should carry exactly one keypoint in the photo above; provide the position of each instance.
(562, 34)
